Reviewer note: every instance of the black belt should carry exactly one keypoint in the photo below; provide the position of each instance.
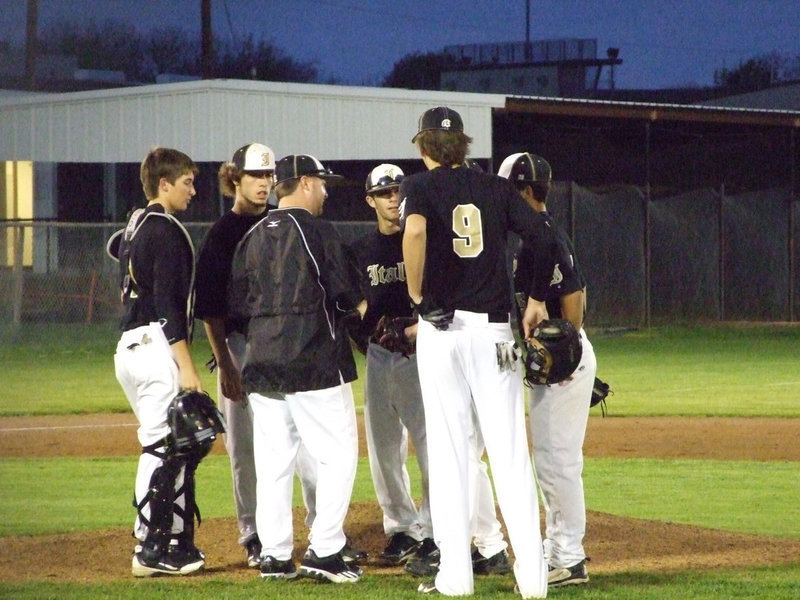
(498, 317)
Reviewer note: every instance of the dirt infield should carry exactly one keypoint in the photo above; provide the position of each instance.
(615, 544)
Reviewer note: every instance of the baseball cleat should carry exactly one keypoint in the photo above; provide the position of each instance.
(253, 549)
(425, 562)
(559, 576)
(272, 568)
(427, 587)
(151, 562)
(497, 564)
(353, 556)
(400, 548)
(331, 568)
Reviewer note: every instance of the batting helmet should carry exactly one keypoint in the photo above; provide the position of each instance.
(195, 422)
(524, 166)
(554, 352)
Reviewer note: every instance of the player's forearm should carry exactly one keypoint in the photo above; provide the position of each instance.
(414, 239)
(189, 379)
(572, 308)
(215, 332)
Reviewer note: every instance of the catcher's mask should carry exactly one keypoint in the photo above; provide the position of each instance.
(554, 352)
(195, 422)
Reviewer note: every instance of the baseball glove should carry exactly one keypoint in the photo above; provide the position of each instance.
(599, 392)
(553, 353)
(390, 334)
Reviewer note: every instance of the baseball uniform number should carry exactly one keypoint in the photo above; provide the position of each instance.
(468, 227)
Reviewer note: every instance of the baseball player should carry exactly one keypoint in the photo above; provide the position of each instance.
(392, 398)
(248, 180)
(293, 281)
(548, 271)
(454, 244)
(153, 363)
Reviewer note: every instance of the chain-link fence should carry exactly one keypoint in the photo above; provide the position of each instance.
(702, 256)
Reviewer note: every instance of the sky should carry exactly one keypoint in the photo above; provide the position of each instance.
(663, 43)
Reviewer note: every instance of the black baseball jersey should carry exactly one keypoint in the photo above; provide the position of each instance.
(157, 275)
(547, 268)
(468, 216)
(214, 264)
(383, 276)
(292, 281)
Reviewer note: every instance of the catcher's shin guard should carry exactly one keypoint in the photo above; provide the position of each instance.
(189, 511)
(160, 495)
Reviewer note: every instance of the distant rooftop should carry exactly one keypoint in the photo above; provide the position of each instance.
(515, 53)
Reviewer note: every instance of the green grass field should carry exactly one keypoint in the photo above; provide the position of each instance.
(711, 371)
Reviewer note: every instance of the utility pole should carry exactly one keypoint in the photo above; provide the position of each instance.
(207, 50)
(527, 30)
(31, 44)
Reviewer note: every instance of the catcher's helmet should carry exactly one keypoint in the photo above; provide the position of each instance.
(554, 352)
(524, 166)
(383, 177)
(195, 422)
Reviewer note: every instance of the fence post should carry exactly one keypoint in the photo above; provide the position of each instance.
(646, 236)
(721, 250)
(16, 274)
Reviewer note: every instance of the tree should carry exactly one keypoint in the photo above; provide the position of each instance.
(118, 47)
(171, 50)
(418, 71)
(110, 45)
(260, 60)
(758, 73)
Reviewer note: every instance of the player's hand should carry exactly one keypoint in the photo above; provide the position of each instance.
(230, 381)
(190, 380)
(535, 313)
(438, 317)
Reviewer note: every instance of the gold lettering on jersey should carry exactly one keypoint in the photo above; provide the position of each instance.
(379, 275)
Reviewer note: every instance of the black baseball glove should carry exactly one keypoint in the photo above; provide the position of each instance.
(599, 392)
(390, 333)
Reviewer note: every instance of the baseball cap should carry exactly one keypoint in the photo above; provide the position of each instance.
(471, 163)
(524, 166)
(384, 176)
(297, 165)
(440, 117)
(254, 157)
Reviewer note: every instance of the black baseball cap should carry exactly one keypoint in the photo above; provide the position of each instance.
(524, 166)
(441, 118)
(254, 157)
(297, 165)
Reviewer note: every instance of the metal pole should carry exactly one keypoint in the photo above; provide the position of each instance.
(31, 44)
(207, 51)
(721, 250)
(792, 223)
(647, 226)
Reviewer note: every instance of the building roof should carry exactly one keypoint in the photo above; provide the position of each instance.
(653, 112)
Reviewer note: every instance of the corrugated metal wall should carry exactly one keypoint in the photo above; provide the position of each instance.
(209, 119)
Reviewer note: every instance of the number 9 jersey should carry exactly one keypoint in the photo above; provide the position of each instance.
(467, 215)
